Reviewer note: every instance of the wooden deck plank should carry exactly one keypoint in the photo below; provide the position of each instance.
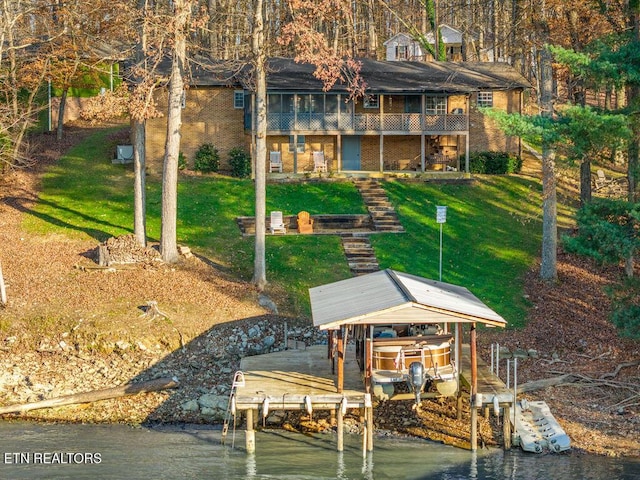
(489, 384)
(286, 377)
(293, 374)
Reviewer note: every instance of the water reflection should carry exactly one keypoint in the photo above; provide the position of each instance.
(195, 452)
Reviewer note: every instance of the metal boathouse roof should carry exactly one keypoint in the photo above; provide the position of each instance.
(389, 296)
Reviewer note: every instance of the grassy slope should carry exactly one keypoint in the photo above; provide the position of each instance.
(491, 237)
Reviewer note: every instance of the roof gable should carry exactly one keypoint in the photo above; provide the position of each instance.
(399, 38)
(389, 296)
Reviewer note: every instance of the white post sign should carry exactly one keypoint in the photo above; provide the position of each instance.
(441, 217)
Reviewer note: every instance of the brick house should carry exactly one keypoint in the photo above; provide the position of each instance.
(418, 117)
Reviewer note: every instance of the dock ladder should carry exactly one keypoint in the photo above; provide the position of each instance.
(238, 381)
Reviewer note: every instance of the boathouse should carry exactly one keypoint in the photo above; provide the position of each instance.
(408, 331)
(392, 336)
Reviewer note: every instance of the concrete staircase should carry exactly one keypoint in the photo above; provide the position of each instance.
(360, 256)
(384, 216)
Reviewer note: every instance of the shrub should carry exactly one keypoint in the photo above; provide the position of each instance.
(182, 161)
(625, 301)
(495, 163)
(207, 159)
(240, 162)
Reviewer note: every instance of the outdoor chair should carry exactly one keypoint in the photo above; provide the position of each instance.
(275, 162)
(305, 223)
(319, 162)
(601, 179)
(277, 223)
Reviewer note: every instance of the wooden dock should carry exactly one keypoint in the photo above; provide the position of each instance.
(489, 384)
(286, 378)
(302, 380)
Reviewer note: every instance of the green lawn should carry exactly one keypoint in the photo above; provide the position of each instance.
(491, 237)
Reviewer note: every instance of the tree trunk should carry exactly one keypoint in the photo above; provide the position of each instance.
(548, 266)
(585, 181)
(168, 236)
(3, 290)
(139, 181)
(96, 395)
(259, 274)
(61, 107)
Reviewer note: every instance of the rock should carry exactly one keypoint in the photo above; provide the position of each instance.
(210, 400)
(269, 341)
(190, 406)
(520, 353)
(266, 302)
(254, 331)
(213, 414)
(122, 345)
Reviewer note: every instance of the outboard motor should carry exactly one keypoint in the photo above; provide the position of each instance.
(416, 379)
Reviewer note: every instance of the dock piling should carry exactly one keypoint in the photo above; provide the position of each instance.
(250, 434)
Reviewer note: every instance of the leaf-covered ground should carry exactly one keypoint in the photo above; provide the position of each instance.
(53, 301)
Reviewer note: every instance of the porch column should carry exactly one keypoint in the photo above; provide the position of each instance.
(466, 145)
(295, 152)
(339, 152)
(466, 153)
(381, 127)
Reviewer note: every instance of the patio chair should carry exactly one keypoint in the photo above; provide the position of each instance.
(305, 223)
(601, 179)
(277, 223)
(275, 162)
(319, 162)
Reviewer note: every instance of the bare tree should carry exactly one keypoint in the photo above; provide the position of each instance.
(548, 266)
(259, 64)
(179, 28)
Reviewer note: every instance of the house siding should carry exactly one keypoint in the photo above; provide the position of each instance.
(313, 143)
(208, 117)
(484, 134)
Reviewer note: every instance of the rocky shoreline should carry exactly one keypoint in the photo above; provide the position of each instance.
(204, 367)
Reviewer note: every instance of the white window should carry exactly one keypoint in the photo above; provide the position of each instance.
(402, 52)
(299, 146)
(435, 105)
(238, 99)
(371, 101)
(485, 99)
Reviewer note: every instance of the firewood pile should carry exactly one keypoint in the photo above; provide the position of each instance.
(125, 249)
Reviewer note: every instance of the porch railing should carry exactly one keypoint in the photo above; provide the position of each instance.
(402, 122)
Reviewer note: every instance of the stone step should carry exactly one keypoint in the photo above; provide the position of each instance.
(354, 244)
(384, 214)
(368, 257)
(391, 228)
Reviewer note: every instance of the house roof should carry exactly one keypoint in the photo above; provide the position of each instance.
(401, 77)
(389, 296)
(399, 36)
(450, 35)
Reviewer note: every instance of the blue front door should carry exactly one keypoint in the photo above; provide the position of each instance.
(351, 153)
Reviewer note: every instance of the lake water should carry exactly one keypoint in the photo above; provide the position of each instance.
(192, 452)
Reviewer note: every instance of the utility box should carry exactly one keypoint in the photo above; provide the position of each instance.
(124, 154)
